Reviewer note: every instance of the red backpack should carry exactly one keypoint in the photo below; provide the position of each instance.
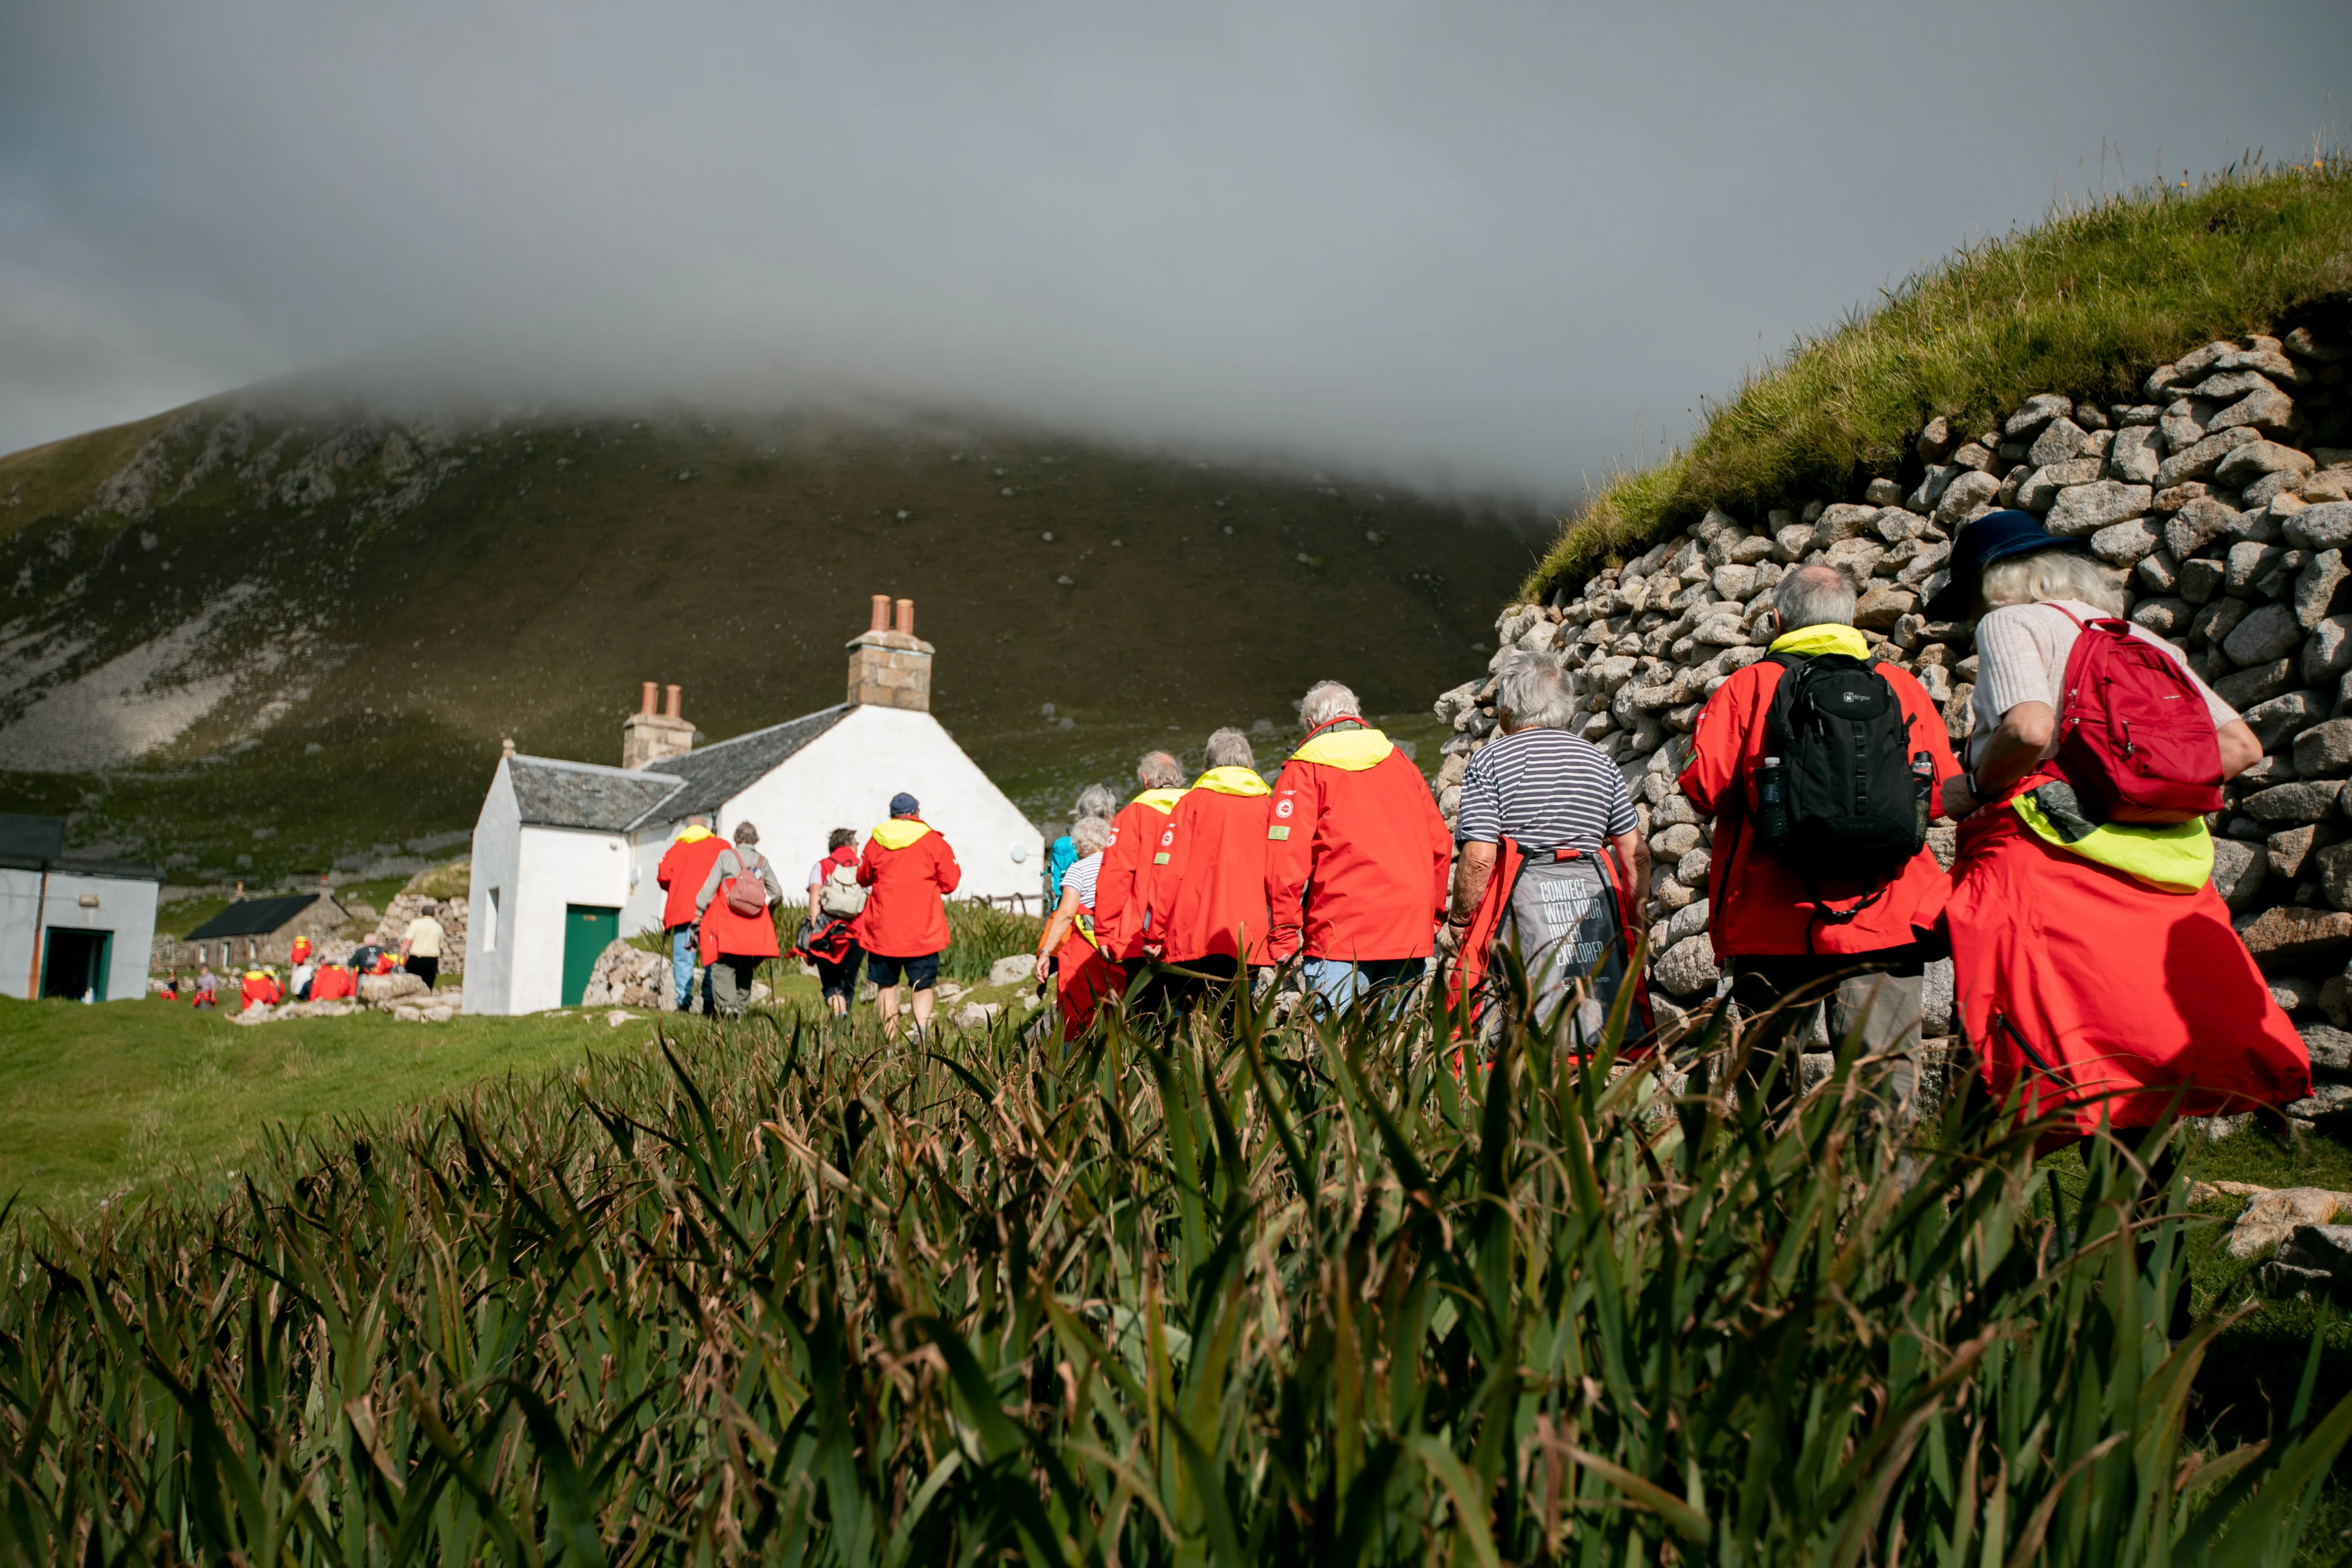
(2135, 738)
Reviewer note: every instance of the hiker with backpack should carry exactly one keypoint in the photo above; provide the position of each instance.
(1551, 864)
(2094, 965)
(836, 900)
(1820, 767)
(738, 929)
(910, 871)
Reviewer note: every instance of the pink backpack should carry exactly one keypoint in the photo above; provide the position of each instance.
(2135, 738)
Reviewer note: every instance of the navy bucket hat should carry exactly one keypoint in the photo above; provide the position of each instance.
(1995, 536)
(904, 805)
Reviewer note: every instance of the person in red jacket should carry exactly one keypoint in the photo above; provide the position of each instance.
(685, 867)
(1123, 889)
(260, 989)
(904, 928)
(1208, 900)
(1776, 935)
(1356, 857)
(1066, 951)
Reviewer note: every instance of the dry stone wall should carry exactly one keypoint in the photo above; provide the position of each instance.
(2224, 494)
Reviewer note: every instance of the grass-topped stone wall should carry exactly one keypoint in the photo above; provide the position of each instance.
(2068, 307)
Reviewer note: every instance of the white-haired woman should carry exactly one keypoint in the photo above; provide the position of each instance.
(2094, 964)
(1069, 957)
(1543, 812)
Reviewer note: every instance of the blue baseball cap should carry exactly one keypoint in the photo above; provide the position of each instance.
(904, 805)
(1995, 536)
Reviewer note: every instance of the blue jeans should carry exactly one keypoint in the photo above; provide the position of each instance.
(1340, 982)
(685, 951)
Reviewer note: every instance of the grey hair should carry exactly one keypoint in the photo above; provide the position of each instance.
(840, 838)
(1089, 836)
(1229, 748)
(1096, 800)
(745, 834)
(2052, 574)
(1813, 596)
(1158, 770)
(1531, 691)
(1325, 700)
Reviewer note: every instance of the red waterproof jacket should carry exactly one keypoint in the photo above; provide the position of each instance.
(1356, 854)
(1757, 902)
(725, 934)
(911, 870)
(260, 989)
(332, 981)
(1129, 867)
(685, 867)
(1209, 898)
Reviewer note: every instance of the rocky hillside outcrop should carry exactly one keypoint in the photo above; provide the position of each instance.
(2224, 494)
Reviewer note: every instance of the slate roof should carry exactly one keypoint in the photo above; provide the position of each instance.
(38, 844)
(553, 794)
(253, 917)
(713, 775)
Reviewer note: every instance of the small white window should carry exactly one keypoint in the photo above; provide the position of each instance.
(490, 926)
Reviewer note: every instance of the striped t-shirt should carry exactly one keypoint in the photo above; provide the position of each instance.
(1081, 876)
(1547, 789)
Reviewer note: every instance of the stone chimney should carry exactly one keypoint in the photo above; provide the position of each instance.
(889, 667)
(648, 737)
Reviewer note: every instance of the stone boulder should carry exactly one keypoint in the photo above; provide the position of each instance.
(2287, 939)
(2269, 1219)
(625, 976)
(1688, 968)
(388, 990)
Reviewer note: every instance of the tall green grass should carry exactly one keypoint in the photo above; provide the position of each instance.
(1277, 1293)
(2084, 303)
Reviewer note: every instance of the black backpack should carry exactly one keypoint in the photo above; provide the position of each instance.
(1856, 806)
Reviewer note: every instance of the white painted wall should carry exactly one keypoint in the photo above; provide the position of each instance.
(558, 867)
(846, 777)
(126, 906)
(490, 940)
(642, 912)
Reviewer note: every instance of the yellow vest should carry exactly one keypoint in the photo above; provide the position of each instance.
(1232, 780)
(1353, 750)
(1159, 800)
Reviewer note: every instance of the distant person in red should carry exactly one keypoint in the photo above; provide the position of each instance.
(330, 981)
(1123, 890)
(301, 951)
(1066, 951)
(910, 870)
(738, 900)
(1208, 885)
(205, 993)
(685, 867)
(260, 989)
(171, 992)
(1357, 855)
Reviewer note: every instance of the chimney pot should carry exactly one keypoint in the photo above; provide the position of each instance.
(906, 616)
(645, 704)
(671, 712)
(881, 613)
(506, 747)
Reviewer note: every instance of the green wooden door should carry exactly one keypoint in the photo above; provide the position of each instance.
(588, 930)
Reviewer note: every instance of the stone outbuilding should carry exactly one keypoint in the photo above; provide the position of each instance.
(259, 930)
(566, 853)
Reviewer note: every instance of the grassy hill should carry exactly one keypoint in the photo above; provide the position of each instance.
(267, 633)
(2071, 305)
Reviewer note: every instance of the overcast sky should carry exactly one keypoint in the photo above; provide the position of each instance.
(1496, 245)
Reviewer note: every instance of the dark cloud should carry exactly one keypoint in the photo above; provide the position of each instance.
(1499, 245)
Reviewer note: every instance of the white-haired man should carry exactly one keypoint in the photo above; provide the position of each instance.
(1208, 890)
(1123, 888)
(1795, 917)
(1357, 855)
(1542, 812)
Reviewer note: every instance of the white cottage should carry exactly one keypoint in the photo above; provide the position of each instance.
(566, 853)
(71, 926)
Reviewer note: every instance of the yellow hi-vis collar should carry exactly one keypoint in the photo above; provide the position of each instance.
(1232, 780)
(2176, 859)
(693, 832)
(1823, 638)
(1352, 750)
(1159, 800)
(899, 832)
